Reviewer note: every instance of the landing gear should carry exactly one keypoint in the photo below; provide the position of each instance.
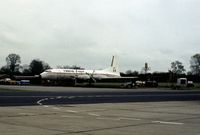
(74, 82)
(129, 86)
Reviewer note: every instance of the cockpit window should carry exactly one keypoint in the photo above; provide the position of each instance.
(48, 71)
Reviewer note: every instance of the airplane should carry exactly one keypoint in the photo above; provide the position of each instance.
(110, 73)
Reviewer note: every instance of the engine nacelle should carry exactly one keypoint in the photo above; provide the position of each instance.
(83, 77)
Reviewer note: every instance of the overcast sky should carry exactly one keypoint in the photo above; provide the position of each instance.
(89, 32)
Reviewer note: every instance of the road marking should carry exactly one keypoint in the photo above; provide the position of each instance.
(93, 114)
(56, 108)
(90, 96)
(80, 96)
(67, 116)
(39, 102)
(27, 114)
(123, 118)
(112, 95)
(58, 97)
(99, 96)
(92, 110)
(167, 122)
(72, 111)
(70, 97)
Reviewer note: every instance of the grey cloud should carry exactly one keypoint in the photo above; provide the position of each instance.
(88, 32)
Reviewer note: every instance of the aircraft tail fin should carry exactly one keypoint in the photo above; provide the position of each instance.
(114, 67)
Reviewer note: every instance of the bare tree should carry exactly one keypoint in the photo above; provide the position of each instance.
(177, 67)
(13, 62)
(195, 64)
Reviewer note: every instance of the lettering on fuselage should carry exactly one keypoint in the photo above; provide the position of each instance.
(73, 71)
(80, 71)
(69, 71)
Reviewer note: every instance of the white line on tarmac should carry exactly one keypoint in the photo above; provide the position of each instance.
(26, 114)
(93, 110)
(99, 96)
(72, 111)
(39, 102)
(167, 122)
(80, 96)
(56, 108)
(122, 118)
(90, 96)
(93, 114)
(70, 97)
(67, 116)
(58, 97)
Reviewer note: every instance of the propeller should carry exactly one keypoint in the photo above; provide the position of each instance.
(92, 79)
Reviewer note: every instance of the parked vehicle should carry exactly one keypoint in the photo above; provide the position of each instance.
(190, 84)
(151, 84)
(8, 81)
(183, 82)
(24, 82)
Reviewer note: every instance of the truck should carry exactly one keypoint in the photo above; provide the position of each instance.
(183, 82)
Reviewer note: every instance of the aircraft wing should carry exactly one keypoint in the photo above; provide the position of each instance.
(117, 79)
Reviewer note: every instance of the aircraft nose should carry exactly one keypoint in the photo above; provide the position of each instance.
(43, 75)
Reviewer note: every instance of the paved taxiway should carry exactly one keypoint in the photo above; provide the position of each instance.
(37, 95)
(138, 118)
(57, 111)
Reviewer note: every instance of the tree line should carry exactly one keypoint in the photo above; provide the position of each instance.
(176, 67)
(177, 70)
(37, 66)
(13, 66)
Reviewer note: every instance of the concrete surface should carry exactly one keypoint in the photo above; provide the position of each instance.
(147, 118)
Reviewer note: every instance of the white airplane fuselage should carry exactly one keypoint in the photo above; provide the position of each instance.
(56, 74)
